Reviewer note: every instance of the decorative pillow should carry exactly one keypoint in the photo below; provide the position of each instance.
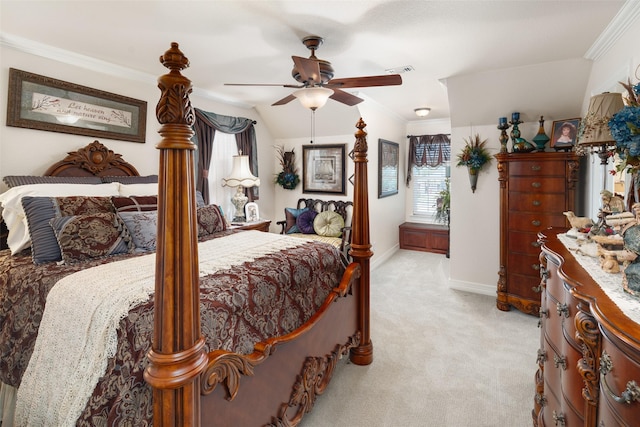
(83, 237)
(41, 210)
(143, 228)
(149, 189)
(13, 213)
(210, 220)
(291, 215)
(135, 203)
(18, 180)
(131, 179)
(328, 224)
(305, 221)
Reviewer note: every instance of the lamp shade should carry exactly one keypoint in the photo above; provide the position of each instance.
(241, 174)
(595, 126)
(313, 97)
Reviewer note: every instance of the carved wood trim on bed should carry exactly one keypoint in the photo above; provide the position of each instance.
(178, 363)
(93, 160)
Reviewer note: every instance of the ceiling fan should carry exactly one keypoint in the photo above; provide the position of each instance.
(317, 83)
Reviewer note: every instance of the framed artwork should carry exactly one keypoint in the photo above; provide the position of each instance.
(251, 212)
(388, 169)
(564, 134)
(43, 103)
(323, 169)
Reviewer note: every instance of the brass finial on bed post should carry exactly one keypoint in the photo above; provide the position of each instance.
(361, 246)
(178, 355)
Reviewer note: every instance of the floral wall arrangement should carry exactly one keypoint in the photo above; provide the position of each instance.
(288, 178)
(474, 156)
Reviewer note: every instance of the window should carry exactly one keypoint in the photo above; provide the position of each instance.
(224, 148)
(427, 183)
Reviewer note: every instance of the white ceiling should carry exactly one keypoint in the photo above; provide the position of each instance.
(253, 41)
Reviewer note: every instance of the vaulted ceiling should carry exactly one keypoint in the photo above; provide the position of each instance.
(253, 41)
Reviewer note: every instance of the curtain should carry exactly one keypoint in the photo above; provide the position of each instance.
(427, 150)
(206, 125)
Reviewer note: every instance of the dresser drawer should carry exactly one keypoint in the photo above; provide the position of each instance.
(536, 202)
(538, 184)
(523, 285)
(535, 222)
(624, 367)
(536, 168)
(525, 243)
(528, 265)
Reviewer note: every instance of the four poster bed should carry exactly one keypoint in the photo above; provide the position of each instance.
(204, 326)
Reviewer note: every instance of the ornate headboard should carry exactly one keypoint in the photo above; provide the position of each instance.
(93, 160)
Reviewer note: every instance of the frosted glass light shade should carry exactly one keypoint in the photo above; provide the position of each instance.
(422, 112)
(313, 97)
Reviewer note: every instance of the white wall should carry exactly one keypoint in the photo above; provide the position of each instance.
(619, 63)
(387, 213)
(26, 151)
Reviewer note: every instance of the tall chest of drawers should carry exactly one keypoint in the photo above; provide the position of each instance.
(535, 190)
(589, 357)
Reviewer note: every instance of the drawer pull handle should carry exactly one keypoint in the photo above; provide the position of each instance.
(544, 274)
(536, 244)
(559, 418)
(542, 356)
(543, 313)
(562, 309)
(536, 167)
(629, 395)
(560, 361)
(536, 203)
(536, 184)
(536, 222)
(541, 399)
(536, 267)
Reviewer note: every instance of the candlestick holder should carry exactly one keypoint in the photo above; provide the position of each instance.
(519, 145)
(504, 138)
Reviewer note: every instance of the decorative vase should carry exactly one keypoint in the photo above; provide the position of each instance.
(541, 137)
(473, 178)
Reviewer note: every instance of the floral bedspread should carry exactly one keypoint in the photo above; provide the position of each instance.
(240, 306)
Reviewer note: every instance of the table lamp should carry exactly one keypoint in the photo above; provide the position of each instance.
(241, 177)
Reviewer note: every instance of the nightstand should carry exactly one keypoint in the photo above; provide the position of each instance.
(260, 225)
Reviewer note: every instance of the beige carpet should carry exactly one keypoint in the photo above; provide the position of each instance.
(441, 357)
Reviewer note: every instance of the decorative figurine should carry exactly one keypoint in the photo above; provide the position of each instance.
(520, 145)
(504, 138)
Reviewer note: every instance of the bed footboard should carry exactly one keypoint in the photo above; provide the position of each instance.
(277, 383)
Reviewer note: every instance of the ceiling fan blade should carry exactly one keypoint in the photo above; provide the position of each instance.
(264, 84)
(309, 69)
(369, 81)
(345, 97)
(284, 100)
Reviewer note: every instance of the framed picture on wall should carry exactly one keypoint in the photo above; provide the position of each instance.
(564, 134)
(323, 168)
(43, 103)
(388, 168)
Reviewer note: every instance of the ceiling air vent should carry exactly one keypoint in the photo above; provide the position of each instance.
(400, 70)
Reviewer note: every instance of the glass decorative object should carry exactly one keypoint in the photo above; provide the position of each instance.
(541, 138)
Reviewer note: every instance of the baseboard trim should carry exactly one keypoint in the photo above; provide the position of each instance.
(378, 260)
(475, 288)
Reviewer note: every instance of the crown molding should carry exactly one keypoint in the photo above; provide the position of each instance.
(83, 61)
(626, 16)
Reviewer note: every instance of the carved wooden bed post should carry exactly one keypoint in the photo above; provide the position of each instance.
(360, 245)
(178, 355)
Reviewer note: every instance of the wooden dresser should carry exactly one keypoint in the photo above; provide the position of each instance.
(535, 189)
(589, 358)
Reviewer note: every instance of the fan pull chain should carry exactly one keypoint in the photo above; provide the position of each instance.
(313, 125)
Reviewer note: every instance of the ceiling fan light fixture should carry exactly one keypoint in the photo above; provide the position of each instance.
(313, 97)
(422, 111)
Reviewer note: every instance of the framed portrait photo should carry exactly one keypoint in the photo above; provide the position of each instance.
(388, 170)
(323, 169)
(564, 134)
(251, 212)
